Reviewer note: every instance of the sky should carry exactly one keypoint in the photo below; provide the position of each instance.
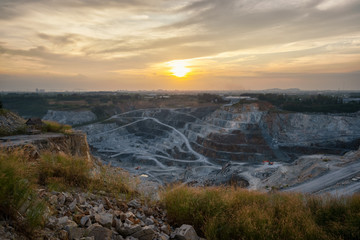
(101, 45)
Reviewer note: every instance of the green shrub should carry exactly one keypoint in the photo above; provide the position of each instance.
(18, 199)
(56, 127)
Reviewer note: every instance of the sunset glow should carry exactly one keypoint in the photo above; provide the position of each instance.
(179, 68)
(236, 44)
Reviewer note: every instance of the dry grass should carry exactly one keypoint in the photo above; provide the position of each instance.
(63, 171)
(18, 198)
(113, 182)
(21, 175)
(227, 213)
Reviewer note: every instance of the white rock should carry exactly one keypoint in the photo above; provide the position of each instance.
(185, 232)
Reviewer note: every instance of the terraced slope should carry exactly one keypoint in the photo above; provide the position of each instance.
(198, 144)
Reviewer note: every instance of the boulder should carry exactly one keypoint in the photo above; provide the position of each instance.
(98, 232)
(185, 232)
(127, 230)
(104, 219)
(72, 205)
(146, 233)
(75, 232)
(85, 221)
(134, 203)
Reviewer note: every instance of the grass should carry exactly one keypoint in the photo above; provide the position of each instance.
(51, 126)
(227, 213)
(112, 182)
(63, 170)
(18, 198)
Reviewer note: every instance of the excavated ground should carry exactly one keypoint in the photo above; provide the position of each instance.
(212, 146)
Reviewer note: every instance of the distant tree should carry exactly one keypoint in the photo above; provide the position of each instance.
(0, 104)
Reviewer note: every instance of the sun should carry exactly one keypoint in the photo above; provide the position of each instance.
(179, 68)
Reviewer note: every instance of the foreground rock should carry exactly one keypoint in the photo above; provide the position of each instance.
(89, 216)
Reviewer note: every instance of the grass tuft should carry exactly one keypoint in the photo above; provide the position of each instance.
(18, 199)
(63, 170)
(113, 182)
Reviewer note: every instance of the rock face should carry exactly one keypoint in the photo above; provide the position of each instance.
(10, 123)
(70, 117)
(73, 144)
(196, 144)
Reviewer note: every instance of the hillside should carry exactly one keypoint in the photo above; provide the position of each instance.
(11, 123)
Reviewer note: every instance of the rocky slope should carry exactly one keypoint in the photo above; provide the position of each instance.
(76, 214)
(70, 117)
(89, 216)
(72, 144)
(10, 123)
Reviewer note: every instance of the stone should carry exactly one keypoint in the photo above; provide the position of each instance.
(87, 238)
(68, 197)
(116, 236)
(85, 221)
(130, 238)
(51, 222)
(53, 199)
(129, 215)
(123, 216)
(118, 224)
(185, 232)
(165, 229)
(127, 230)
(146, 233)
(72, 205)
(80, 199)
(149, 221)
(75, 232)
(104, 219)
(163, 236)
(63, 235)
(98, 232)
(62, 220)
(134, 203)
(70, 223)
(61, 199)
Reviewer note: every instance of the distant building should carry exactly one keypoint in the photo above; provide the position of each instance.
(40, 90)
(236, 99)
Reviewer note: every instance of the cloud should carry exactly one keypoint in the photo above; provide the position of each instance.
(242, 37)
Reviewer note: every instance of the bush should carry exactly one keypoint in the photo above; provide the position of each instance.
(227, 213)
(18, 199)
(56, 127)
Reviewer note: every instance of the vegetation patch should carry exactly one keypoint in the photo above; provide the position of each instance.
(21, 176)
(51, 126)
(63, 170)
(227, 213)
(18, 198)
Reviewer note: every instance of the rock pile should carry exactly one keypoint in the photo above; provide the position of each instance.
(88, 216)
